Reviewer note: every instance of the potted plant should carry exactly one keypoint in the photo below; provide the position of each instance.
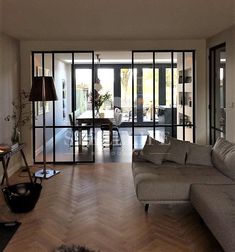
(99, 100)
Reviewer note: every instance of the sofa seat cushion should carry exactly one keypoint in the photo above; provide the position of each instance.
(170, 181)
(216, 205)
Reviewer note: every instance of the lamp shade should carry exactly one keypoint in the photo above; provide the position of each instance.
(40, 84)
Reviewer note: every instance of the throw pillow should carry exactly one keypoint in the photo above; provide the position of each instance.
(223, 157)
(199, 154)
(154, 151)
(177, 151)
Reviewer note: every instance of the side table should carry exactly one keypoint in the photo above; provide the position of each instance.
(5, 158)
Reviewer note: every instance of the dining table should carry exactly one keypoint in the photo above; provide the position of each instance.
(105, 117)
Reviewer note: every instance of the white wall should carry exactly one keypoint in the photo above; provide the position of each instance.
(9, 81)
(227, 36)
(198, 45)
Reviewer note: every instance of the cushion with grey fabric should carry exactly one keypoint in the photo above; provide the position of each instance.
(223, 157)
(216, 206)
(177, 151)
(154, 151)
(199, 154)
(171, 181)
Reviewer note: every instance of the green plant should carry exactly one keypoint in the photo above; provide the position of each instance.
(99, 99)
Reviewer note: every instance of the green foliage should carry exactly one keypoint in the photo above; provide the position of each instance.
(100, 99)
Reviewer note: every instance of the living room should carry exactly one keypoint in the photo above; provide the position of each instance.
(41, 28)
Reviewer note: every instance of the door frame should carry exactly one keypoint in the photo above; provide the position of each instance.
(212, 92)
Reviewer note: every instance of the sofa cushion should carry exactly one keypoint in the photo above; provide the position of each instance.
(199, 154)
(223, 157)
(216, 205)
(154, 151)
(171, 181)
(177, 151)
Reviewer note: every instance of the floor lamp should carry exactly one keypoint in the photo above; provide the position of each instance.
(43, 90)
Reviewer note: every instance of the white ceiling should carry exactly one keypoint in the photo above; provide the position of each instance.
(116, 19)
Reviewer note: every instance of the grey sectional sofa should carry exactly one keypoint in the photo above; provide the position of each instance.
(181, 172)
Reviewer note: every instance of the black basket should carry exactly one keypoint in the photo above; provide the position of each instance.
(22, 197)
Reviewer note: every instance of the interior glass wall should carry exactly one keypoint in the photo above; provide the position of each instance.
(153, 89)
(65, 141)
(163, 98)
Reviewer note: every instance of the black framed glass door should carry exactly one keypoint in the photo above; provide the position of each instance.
(217, 99)
(163, 95)
(66, 141)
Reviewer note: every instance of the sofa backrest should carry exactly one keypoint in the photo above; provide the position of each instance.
(223, 157)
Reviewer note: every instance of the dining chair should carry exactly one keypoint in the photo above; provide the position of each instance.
(116, 123)
(78, 128)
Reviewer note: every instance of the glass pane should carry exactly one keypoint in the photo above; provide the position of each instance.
(48, 64)
(179, 132)
(106, 77)
(126, 93)
(37, 64)
(63, 88)
(38, 72)
(184, 94)
(83, 78)
(143, 97)
(188, 96)
(64, 144)
(147, 94)
(143, 93)
(189, 133)
(39, 145)
(161, 133)
(156, 94)
(84, 143)
(178, 89)
(220, 99)
(164, 90)
(83, 108)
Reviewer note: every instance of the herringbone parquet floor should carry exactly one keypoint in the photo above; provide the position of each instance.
(95, 205)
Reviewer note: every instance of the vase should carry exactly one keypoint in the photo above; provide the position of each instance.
(97, 112)
(15, 138)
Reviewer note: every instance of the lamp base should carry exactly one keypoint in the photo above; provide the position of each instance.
(45, 173)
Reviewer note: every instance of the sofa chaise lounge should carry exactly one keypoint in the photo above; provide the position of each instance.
(184, 172)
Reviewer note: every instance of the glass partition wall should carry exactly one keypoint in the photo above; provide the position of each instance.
(162, 95)
(65, 141)
(154, 89)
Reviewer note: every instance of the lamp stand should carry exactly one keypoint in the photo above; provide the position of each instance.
(44, 173)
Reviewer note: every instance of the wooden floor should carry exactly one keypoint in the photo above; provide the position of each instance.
(95, 205)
